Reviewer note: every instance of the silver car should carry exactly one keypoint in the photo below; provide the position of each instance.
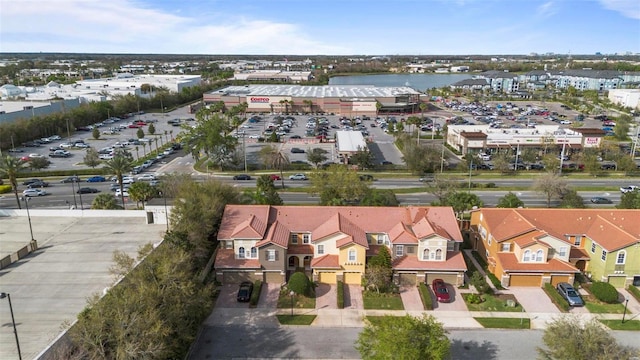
(570, 294)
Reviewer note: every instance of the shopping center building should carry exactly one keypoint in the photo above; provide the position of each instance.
(343, 100)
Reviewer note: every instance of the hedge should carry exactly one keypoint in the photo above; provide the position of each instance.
(604, 292)
(340, 295)
(556, 298)
(255, 295)
(5, 189)
(634, 291)
(425, 295)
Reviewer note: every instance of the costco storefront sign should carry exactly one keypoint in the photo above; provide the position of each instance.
(265, 102)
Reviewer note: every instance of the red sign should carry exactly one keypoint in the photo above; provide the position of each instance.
(259, 99)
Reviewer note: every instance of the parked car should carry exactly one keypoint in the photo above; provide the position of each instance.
(34, 192)
(298, 177)
(96, 179)
(242, 177)
(146, 177)
(38, 184)
(441, 290)
(71, 179)
(244, 292)
(124, 193)
(30, 181)
(128, 180)
(570, 294)
(87, 190)
(629, 188)
(296, 150)
(600, 200)
(60, 154)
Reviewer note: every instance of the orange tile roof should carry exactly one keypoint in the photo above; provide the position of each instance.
(300, 250)
(278, 234)
(235, 215)
(510, 263)
(530, 238)
(578, 254)
(226, 259)
(454, 262)
(326, 262)
(402, 234)
(506, 223)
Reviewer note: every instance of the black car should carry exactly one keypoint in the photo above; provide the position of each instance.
(37, 182)
(297, 151)
(366, 177)
(244, 292)
(87, 190)
(242, 177)
(71, 179)
(600, 200)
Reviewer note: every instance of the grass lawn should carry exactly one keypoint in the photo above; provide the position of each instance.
(296, 319)
(596, 307)
(633, 325)
(504, 323)
(493, 303)
(299, 301)
(373, 300)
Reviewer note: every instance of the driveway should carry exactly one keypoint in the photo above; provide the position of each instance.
(533, 299)
(227, 297)
(353, 297)
(269, 296)
(456, 304)
(411, 298)
(326, 296)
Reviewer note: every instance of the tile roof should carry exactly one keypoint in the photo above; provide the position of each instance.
(530, 238)
(326, 262)
(234, 215)
(226, 259)
(510, 263)
(578, 254)
(300, 250)
(251, 228)
(340, 224)
(278, 234)
(454, 262)
(402, 234)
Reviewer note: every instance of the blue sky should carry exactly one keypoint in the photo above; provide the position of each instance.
(325, 27)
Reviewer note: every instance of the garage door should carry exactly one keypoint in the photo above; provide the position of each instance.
(353, 278)
(617, 281)
(448, 278)
(408, 279)
(525, 280)
(327, 277)
(273, 277)
(237, 277)
(556, 279)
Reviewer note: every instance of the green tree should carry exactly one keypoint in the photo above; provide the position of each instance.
(571, 200)
(406, 337)
(551, 162)
(39, 163)
(510, 200)
(363, 158)
(621, 130)
(441, 187)
(272, 157)
(10, 167)
(91, 158)
(152, 129)
(462, 201)
(379, 273)
(570, 338)
(142, 192)
(630, 200)
(95, 133)
(551, 185)
(380, 197)
(119, 165)
(317, 156)
(338, 186)
(502, 162)
(140, 134)
(265, 193)
(105, 202)
(211, 135)
(421, 159)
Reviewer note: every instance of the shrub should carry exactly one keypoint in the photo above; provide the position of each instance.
(634, 291)
(340, 295)
(556, 298)
(299, 283)
(604, 292)
(474, 299)
(478, 281)
(495, 281)
(425, 295)
(490, 185)
(255, 295)
(5, 189)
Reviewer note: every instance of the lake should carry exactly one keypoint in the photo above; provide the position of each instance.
(420, 82)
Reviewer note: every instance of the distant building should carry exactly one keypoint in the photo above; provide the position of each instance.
(348, 143)
(625, 97)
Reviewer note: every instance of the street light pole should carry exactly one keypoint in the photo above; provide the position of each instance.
(166, 214)
(292, 294)
(626, 303)
(73, 191)
(13, 320)
(26, 202)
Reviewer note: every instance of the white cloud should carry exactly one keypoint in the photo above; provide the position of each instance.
(547, 9)
(628, 8)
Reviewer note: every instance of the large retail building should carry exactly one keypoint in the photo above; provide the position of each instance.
(343, 100)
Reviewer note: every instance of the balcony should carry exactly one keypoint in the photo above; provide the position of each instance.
(619, 269)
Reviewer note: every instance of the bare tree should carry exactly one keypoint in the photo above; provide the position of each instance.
(551, 185)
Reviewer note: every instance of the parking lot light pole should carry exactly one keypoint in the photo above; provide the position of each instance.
(73, 191)
(626, 303)
(13, 321)
(292, 294)
(26, 202)
(79, 194)
(166, 214)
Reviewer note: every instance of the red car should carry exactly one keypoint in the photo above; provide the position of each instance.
(441, 290)
(133, 126)
(275, 177)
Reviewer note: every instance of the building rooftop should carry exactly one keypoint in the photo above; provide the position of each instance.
(325, 91)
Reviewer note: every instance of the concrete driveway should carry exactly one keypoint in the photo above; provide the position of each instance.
(227, 297)
(533, 299)
(326, 296)
(456, 304)
(269, 296)
(411, 298)
(353, 297)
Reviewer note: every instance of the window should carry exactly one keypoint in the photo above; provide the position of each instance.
(271, 255)
(228, 244)
(527, 256)
(292, 261)
(254, 253)
(320, 249)
(352, 255)
(620, 259)
(563, 251)
(294, 238)
(306, 238)
(439, 254)
(486, 253)
(399, 250)
(604, 255)
(578, 240)
(380, 240)
(593, 248)
(506, 247)
(241, 253)
(489, 239)
(539, 256)
(410, 249)
(425, 254)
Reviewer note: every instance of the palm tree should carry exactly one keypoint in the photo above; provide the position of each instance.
(165, 136)
(279, 160)
(144, 148)
(9, 168)
(137, 154)
(119, 165)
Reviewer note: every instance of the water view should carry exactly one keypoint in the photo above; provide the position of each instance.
(420, 82)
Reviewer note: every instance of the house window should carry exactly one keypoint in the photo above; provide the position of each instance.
(539, 255)
(380, 240)
(593, 248)
(292, 261)
(399, 250)
(254, 253)
(486, 253)
(578, 240)
(425, 254)
(506, 247)
(527, 256)
(352, 255)
(563, 251)
(228, 244)
(271, 255)
(489, 239)
(294, 238)
(241, 253)
(604, 255)
(620, 259)
(439, 254)
(410, 249)
(306, 238)
(451, 245)
(320, 249)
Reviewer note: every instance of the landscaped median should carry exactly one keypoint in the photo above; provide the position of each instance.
(504, 323)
